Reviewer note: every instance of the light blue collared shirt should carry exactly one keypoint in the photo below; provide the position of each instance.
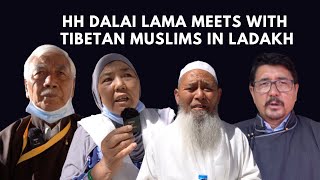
(279, 128)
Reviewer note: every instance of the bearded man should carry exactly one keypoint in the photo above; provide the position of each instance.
(198, 144)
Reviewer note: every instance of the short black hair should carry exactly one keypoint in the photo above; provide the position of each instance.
(273, 59)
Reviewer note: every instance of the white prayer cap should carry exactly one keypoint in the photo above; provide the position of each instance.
(198, 65)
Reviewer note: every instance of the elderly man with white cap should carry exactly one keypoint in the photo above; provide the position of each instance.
(198, 144)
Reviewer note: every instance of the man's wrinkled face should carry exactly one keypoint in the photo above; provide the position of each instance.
(274, 105)
(51, 83)
(198, 91)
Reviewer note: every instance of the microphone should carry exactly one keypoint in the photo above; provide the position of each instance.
(131, 117)
(35, 137)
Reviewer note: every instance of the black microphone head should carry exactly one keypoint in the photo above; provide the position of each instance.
(131, 117)
(35, 137)
(128, 113)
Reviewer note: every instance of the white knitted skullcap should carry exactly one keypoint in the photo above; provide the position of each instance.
(198, 65)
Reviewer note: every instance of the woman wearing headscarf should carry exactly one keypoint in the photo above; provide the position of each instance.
(104, 148)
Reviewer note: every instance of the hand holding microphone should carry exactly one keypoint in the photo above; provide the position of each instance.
(118, 144)
(131, 117)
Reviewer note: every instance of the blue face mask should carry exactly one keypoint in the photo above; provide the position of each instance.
(118, 118)
(52, 116)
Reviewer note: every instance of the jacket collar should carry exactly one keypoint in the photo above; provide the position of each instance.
(260, 126)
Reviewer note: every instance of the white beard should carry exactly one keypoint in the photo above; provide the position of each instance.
(201, 131)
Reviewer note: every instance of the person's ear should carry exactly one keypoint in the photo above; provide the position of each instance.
(251, 89)
(296, 89)
(219, 94)
(176, 95)
(26, 88)
(73, 87)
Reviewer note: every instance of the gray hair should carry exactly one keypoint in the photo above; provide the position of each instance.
(39, 51)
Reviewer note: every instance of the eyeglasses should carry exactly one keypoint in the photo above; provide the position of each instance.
(264, 86)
